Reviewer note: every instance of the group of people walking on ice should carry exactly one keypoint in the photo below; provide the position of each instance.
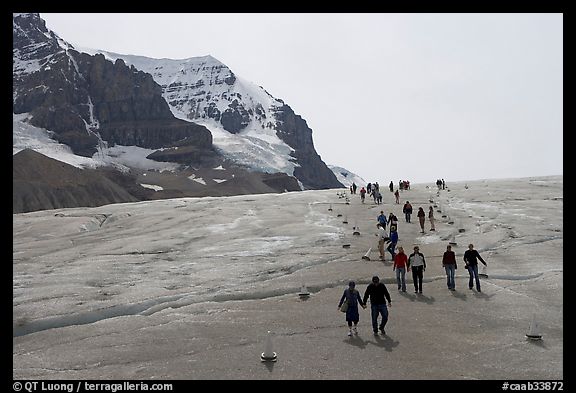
(373, 190)
(377, 292)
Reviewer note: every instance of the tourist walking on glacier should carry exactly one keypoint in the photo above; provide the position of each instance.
(362, 194)
(393, 220)
(449, 265)
(377, 196)
(421, 218)
(391, 186)
(400, 265)
(378, 294)
(352, 298)
(382, 237)
(397, 196)
(393, 240)
(471, 257)
(417, 263)
(382, 219)
(431, 218)
(407, 210)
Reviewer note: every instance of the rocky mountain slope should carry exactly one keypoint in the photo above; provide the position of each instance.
(204, 118)
(206, 91)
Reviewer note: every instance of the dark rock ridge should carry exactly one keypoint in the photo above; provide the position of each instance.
(42, 183)
(87, 100)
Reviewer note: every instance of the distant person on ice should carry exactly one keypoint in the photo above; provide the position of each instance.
(397, 195)
(431, 218)
(471, 257)
(377, 196)
(391, 186)
(421, 218)
(407, 210)
(362, 194)
(378, 294)
(352, 297)
(393, 220)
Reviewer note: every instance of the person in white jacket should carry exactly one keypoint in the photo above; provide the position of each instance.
(417, 263)
(382, 237)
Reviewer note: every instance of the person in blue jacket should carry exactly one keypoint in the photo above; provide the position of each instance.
(393, 241)
(353, 297)
(382, 219)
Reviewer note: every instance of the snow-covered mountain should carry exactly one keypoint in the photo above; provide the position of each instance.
(239, 114)
(249, 126)
(94, 109)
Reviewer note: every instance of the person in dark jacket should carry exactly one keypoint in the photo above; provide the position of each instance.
(393, 220)
(407, 210)
(352, 296)
(471, 257)
(449, 265)
(378, 294)
(422, 218)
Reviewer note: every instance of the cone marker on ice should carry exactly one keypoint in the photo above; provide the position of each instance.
(366, 256)
(268, 355)
(534, 332)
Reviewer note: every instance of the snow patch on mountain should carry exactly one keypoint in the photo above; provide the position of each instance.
(26, 136)
(346, 177)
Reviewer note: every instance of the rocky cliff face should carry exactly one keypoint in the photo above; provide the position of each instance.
(88, 100)
(312, 171)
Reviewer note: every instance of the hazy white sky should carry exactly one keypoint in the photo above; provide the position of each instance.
(388, 96)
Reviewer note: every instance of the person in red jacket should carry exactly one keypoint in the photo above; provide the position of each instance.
(400, 262)
(449, 264)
